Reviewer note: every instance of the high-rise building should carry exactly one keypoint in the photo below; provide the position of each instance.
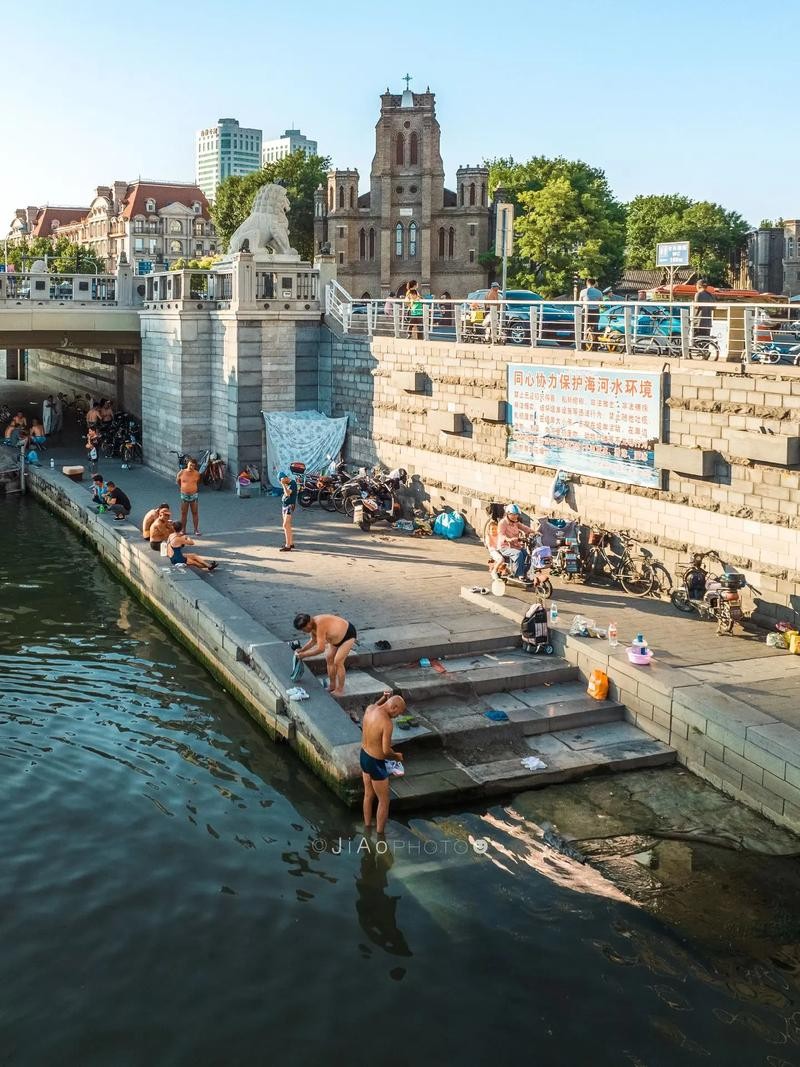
(223, 150)
(285, 145)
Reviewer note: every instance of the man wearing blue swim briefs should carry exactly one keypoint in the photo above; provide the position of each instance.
(376, 748)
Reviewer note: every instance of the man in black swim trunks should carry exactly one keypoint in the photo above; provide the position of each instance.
(376, 748)
(332, 635)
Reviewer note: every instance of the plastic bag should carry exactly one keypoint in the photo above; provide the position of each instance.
(449, 524)
(598, 685)
(581, 627)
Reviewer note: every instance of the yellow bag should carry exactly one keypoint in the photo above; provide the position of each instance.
(793, 639)
(598, 685)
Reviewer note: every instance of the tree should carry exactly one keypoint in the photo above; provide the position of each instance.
(298, 173)
(206, 263)
(567, 222)
(70, 258)
(716, 235)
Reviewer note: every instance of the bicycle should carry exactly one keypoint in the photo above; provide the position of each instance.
(212, 469)
(132, 452)
(634, 573)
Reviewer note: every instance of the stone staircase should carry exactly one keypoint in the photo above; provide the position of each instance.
(455, 752)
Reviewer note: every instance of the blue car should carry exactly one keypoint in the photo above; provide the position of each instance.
(649, 320)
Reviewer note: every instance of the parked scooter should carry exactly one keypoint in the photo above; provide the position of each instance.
(378, 504)
(712, 597)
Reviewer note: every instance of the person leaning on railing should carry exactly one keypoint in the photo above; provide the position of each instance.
(704, 314)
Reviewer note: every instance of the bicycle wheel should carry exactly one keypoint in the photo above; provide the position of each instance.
(137, 452)
(338, 501)
(636, 576)
(305, 498)
(663, 583)
(680, 600)
(350, 504)
(326, 500)
(544, 588)
(704, 348)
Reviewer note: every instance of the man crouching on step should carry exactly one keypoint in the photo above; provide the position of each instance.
(376, 748)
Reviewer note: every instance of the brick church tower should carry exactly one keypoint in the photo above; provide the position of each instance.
(408, 225)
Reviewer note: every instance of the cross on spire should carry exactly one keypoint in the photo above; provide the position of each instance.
(407, 80)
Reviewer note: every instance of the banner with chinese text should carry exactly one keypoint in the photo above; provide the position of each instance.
(586, 420)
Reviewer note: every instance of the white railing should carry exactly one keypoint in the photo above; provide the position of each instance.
(18, 288)
(753, 331)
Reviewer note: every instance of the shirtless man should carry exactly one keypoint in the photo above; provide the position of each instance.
(160, 528)
(188, 481)
(376, 748)
(150, 518)
(332, 635)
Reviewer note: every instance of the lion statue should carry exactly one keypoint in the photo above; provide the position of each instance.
(266, 228)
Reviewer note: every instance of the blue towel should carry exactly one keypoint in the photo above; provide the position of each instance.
(495, 715)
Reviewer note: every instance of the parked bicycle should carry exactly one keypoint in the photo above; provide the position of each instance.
(633, 572)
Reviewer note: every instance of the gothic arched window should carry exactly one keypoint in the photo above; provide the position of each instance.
(371, 242)
(461, 195)
(400, 149)
(413, 149)
(451, 243)
(330, 198)
(341, 196)
(352, 196)
(790, 254)
(483, 194)
(412, 239)
(362, 244)
(398, 239)
(472, 194)
(441, 242)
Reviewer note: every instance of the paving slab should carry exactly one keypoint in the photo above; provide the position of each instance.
(598, 736)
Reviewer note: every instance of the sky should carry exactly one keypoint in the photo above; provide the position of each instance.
(686, 97)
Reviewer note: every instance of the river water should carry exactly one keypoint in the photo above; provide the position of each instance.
(176, 889)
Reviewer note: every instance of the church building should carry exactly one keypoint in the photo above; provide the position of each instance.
(408, 226)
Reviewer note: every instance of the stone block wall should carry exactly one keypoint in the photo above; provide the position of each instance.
(748, 510)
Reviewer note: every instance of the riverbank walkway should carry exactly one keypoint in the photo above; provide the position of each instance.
(730, 701)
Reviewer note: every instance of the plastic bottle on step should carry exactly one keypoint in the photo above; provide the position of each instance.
(553, 612)
(52, 463)
(612, 635)
(639, 644)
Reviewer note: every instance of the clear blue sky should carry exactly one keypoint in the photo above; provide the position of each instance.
(687, 97)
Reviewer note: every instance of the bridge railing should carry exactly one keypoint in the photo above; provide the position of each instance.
(759, 331)
(24, 289)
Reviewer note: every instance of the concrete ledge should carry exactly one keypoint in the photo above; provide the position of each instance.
(446, 421)
(250, 661)
(766, 447)
(485, 408)
(411, 381)
(696, 462)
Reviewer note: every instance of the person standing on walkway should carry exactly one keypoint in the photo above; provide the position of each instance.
(590, 297)
(704, 314)
(288, 505)
(376, 748)
(332, 635)
(188, 481)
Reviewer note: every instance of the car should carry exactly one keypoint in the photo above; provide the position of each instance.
(557, 320)
(650, 319)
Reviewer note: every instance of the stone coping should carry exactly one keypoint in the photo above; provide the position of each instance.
(245, 655)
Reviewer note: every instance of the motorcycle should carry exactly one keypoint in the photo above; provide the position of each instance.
(712, 597)
(378, 503)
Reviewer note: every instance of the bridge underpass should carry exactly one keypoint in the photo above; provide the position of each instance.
(73, 349)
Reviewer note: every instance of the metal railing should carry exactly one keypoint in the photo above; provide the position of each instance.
(18, 288)
(732, 331)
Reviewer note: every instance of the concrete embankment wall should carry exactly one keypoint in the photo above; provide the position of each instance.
(250, 661)
(57, 372)
(746, 753)
(738, 433)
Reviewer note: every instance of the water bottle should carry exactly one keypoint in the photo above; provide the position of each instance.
(52, 463)
(640, 644)
(612, 635)
(553, 613)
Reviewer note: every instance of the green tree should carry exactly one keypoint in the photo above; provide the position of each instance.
(567, 222)
(298, 173)
(70, 258)
(715, 234)
(206, 263)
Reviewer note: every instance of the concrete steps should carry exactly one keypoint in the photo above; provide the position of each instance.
(454, 752)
